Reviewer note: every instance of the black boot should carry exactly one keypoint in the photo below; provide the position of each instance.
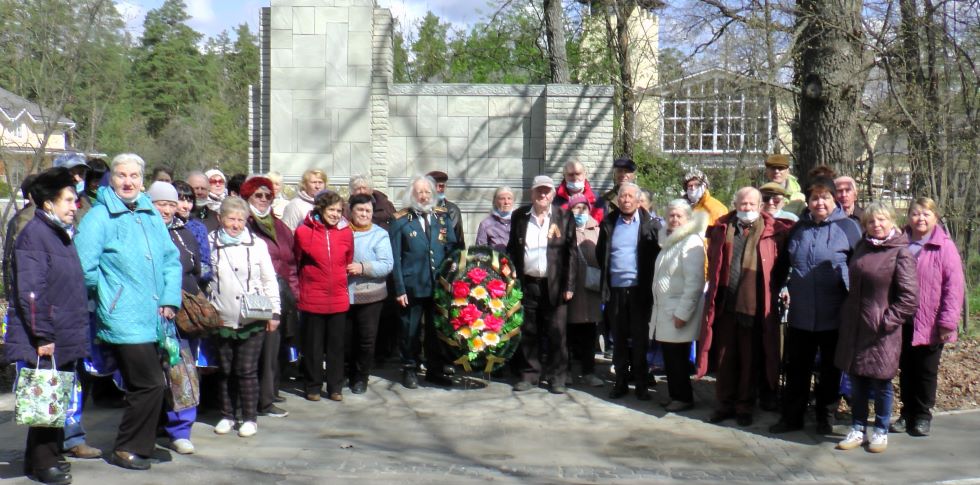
(54, 476)
(899, 426)
(921, 427)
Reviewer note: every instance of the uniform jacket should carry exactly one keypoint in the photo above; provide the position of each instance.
(646, 248)
(939, 270)
(678, 282)
(455, 220)
(586, 305)
(131, 266)
(241, 269)
(817, 255)
(417, 256)
(881, 300)
(322, 256)
(719, 259)
(562, 267)
(48, 297)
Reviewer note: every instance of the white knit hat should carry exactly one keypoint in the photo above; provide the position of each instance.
(162, 191)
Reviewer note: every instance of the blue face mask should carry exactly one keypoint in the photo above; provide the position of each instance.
(575, 187)
(581, 219)
(80, 187)
(440, 196)
(502, 214)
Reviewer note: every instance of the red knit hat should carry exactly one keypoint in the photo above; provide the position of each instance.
(253, 184)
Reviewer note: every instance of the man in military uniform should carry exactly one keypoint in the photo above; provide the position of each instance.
(624, 170)
(421, 238)
(455, 216)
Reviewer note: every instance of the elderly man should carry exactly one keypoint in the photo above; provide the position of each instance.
(777, 171)
(624, 171)
(455, 216)
(420, 239)
(847, 197)
(202, 211)
(697, 194)
(384, 210)
(626, 250)
(774, 200)
(576, 182)
(740, 316)
(542, 238)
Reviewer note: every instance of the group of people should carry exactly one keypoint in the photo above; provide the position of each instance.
(93, 248)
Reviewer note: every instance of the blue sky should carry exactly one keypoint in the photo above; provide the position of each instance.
(210, 17)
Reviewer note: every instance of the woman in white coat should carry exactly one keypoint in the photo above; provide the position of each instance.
(678, 295)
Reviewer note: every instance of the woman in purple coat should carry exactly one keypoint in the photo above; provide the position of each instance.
(48, 312)
(495, 229)
(881, 298)
(941, 291)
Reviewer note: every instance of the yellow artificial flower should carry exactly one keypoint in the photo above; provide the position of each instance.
(477, 344)
(491, 339)
(477, 324)
(459, 301)
(465, 332)
(479, 293)
(497, 305)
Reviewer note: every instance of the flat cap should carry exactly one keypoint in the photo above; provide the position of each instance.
(625, 163)
(777, 161)
(773, 188)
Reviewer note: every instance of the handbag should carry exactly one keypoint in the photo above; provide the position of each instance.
(43, 396)
(197, 316)
(254, 306)
(593, 278)
(183, 382)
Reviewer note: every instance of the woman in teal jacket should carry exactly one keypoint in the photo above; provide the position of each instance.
(132, 270)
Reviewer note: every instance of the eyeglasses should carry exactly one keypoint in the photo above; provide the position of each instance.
(262, 195)
(774, 198)
(216, 181)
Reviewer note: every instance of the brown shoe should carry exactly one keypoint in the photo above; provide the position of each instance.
(336, 396)
(84, 451)
(313, 396)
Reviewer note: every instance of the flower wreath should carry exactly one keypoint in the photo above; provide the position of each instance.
(478, 308)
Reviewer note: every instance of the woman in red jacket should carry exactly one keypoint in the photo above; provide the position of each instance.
(324, 248)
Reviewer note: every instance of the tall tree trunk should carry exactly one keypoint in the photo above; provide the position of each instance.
(828, 49)
(624, 9)
(554, 25)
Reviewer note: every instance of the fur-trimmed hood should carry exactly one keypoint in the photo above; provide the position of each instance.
(697, 225)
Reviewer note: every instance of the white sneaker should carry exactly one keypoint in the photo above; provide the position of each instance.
(182, 446)
(878, 443)
(248, 428)
(224, 426)
(853, 439)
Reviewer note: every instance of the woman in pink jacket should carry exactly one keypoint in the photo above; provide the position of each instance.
(941, 292)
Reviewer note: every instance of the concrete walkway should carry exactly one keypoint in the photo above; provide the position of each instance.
(434, 435)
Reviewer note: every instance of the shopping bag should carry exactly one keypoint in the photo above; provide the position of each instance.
(42, 397)
(183, 382)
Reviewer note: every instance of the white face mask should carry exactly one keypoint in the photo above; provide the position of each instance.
(694, 195)
(575, 187)
(747, 217)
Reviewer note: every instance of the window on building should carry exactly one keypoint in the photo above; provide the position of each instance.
(716, 116)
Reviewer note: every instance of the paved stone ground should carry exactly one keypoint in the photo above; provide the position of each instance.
(434, 435)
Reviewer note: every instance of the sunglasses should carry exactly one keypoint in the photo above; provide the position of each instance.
(216, 181)
(774, 198)
(262, 195)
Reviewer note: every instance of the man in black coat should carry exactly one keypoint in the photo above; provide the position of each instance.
(627, 249)
(455, 215)
(542, 238)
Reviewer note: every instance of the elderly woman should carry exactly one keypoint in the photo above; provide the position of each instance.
(47, 314)
(185, 207)
(678, 295)
(281, 201)
(941, 290)
(882, 298)
(367, 287)
(132, 266)
(313, 181)
(584, 309)
(494, 231)
(383, 209)
(242, 266)
(816, 256)
(164, 197)
(324, 251)
(217, 188)
(259, 192)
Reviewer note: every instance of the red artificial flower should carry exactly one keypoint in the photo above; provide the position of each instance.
(493, 324)
(476, 275)
(469, 314)
(497, 288)
(457, 323)
(460, 289)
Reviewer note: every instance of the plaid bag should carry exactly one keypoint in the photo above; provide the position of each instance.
(196, 316)
(42, 397)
